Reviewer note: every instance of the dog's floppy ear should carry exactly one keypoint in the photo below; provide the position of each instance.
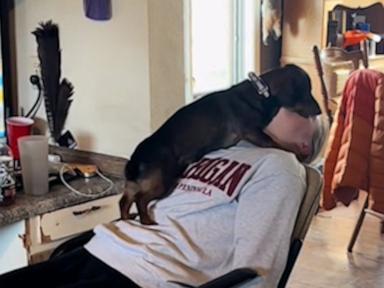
(307, 108)
(291, 86)
(306, 104)
(281, 84)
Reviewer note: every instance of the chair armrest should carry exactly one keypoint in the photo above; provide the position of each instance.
(231, 279)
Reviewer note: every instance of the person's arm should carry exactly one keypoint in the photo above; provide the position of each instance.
(266, 213)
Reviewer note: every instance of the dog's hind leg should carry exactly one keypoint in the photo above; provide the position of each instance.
(142, 201)
(131, 189)
(152, 187)
(157, 183)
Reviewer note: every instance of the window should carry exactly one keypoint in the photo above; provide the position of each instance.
(222, 36)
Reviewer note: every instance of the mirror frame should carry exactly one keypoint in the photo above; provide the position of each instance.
(8, 52)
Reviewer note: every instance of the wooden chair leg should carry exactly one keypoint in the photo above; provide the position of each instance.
(358, 225)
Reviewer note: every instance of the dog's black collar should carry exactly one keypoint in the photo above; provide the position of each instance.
(261, 87)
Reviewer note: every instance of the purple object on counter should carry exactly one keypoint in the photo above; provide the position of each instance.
(98, 9)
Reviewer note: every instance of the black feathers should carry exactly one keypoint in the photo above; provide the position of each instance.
(57, 95)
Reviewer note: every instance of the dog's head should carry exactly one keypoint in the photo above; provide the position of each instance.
(291, 88)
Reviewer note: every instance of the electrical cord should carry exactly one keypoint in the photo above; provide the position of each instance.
(35, 80)
(66, 184)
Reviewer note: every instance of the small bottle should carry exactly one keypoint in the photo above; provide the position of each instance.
(372, 48)
(7, 179)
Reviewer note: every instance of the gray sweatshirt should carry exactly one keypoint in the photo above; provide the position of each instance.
(234, 208)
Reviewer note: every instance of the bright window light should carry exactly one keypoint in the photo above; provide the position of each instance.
(222, 43)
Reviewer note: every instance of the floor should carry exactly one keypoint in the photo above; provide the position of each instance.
(324, 261)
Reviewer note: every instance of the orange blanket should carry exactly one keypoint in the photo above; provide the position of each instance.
(355, 153)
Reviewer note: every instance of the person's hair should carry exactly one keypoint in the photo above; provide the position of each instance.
(319, 139)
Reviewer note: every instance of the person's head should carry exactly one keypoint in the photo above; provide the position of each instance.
(303, 136)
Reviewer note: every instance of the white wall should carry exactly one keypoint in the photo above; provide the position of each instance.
(166, 54)
(107, 62)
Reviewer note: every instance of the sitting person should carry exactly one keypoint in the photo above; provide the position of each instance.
(234, 208)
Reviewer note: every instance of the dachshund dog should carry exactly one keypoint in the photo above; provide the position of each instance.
(215, 121)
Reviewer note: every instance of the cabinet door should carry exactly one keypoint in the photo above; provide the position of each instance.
(13, 255)
(47, 231)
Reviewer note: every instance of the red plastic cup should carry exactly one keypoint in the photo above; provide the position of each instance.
(16, 128)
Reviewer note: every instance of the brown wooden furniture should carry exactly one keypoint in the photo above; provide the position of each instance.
(331, 58)
(305, 25)
(334, 66)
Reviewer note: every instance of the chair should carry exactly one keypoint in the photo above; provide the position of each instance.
(308, 209)
(335, 58)
(336, 54)
(334, 66)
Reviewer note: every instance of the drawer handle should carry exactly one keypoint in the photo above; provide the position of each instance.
(86, 211)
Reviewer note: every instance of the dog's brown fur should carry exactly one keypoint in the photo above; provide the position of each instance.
(215, 121)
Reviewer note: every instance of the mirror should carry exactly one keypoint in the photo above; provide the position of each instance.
(8, 98)
(343, 18)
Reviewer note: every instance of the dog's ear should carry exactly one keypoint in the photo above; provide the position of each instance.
(291, 86)
(306, 104)
(307, 108)
(282, 86)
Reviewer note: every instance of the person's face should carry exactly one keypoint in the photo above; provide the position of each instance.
(292, 132)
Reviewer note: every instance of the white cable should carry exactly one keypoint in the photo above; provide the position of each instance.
(61, 174)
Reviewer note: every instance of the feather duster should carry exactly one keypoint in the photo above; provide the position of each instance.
(57, 95)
